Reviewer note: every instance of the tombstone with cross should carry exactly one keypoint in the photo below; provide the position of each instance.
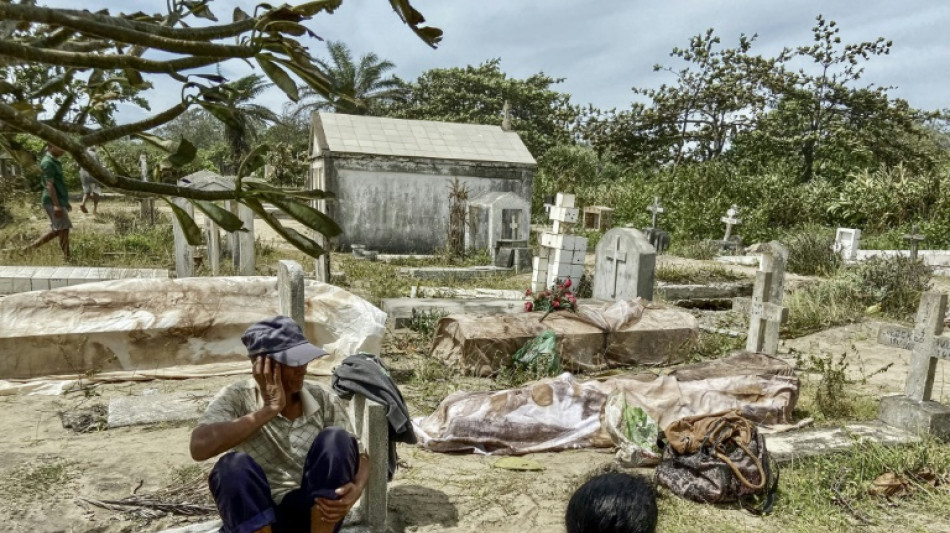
(847, 242)
(766, 312)
(914, 410)
(914, 238)
(659, 238)
(731, 220)
(625, 267)
(561, 256)
(499, 222)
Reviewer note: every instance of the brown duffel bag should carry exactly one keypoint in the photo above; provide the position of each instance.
(718, 458)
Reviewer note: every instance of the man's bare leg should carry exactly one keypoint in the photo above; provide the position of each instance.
(82, 206)
(64, 242)
(95, 204)
(45, 238)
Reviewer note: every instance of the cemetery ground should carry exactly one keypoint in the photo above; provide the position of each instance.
(47, 472)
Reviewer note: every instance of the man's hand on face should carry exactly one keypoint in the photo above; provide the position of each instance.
(335, 510)
(267, 375)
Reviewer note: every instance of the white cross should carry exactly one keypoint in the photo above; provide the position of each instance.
(730, 220)
(656, 209)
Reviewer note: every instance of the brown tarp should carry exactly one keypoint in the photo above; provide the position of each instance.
(562, 413)
(595, 338)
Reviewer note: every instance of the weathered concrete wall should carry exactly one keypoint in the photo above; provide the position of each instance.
(402, 206)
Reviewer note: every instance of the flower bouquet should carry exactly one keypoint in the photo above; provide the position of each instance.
(557, 298)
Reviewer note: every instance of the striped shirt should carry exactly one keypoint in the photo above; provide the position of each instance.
(280, 446)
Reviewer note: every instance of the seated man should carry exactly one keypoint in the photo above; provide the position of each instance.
(613, 503)
(293, 464)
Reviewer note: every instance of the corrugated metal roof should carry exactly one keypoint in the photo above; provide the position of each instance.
(353, 134)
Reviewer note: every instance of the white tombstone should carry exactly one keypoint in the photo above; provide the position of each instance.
(766, 312)
(184, 252)
(625, 267)
(561, 256)
(847, 241)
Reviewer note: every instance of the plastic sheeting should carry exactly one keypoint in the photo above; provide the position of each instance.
(562, 413)
(141, 325)
(594, 338)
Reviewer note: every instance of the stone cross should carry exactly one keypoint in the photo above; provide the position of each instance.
(655, 209)
(925, 343)
(730, 220)
(563, 213)
(766, 313)
(369, 418)
(514, 229)
(914, 238)
(618, 258)
(506, 118)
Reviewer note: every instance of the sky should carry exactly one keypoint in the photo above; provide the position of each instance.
(603, 48)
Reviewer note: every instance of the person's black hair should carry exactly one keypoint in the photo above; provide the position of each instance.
(613, 503)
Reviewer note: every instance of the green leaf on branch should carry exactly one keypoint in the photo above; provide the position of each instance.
(166, 145)
(309, 9)
(253, 161)
(263, 187)
(189, 228)
(304, 214)
(288, 27)
(311, 76)
(302, 243)
(221, 216)
(240, 15)
(184, 153)
(278, 76)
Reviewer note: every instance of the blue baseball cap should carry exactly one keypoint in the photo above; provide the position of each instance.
(281, 339)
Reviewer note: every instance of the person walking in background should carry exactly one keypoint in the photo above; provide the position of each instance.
(90, 187)
(55, 200)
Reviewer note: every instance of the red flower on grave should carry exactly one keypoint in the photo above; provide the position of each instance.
(556, 304)
(528, 307)
(527, 292)
(567, 283)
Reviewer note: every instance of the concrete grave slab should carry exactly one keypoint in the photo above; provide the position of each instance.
(796, 445)
(449, 273)
(625, 266)
(155, 409)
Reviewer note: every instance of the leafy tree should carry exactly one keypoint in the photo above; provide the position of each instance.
(93, 59)
(358, 88)
(242, 129)
(542, 116)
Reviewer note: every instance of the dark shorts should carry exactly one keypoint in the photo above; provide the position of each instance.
(58, 222)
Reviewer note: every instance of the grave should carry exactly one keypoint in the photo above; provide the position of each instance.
(913, 238)
(598, 218)
(495, 217)
(914, 411)
(624, 267)
(730, 241)
(240, 243)
(848, 241)
(846, 244)
(450, 273)
(400, 311)
(659, 238)
(561, 256)
(765, 309)
(15, 279)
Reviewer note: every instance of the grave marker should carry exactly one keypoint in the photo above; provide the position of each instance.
(625, 266)
(655, 209)
(766, 312)
(730, 220)
(846, 244)
(914, 238)
(561, 256)
(914, 411)
(184, 252)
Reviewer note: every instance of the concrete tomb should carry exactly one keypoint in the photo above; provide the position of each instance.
(494, 217)
(391, 177)
(914, 411)
(625, 266)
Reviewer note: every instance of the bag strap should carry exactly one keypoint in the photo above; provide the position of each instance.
(735, 470)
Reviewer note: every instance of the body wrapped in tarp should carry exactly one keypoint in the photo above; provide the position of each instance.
(594, 338)
(562, 413)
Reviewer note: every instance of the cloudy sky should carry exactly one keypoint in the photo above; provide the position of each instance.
(604, 47)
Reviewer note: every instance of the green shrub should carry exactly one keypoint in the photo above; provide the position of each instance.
(702, 250)
(894, 283)
(823, 305)
(810, 251)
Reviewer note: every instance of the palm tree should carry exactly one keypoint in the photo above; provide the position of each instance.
(248, 117)
(357, 89)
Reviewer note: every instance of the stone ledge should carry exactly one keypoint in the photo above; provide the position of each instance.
(920, 418)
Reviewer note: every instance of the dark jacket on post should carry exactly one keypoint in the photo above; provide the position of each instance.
(366, 375)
